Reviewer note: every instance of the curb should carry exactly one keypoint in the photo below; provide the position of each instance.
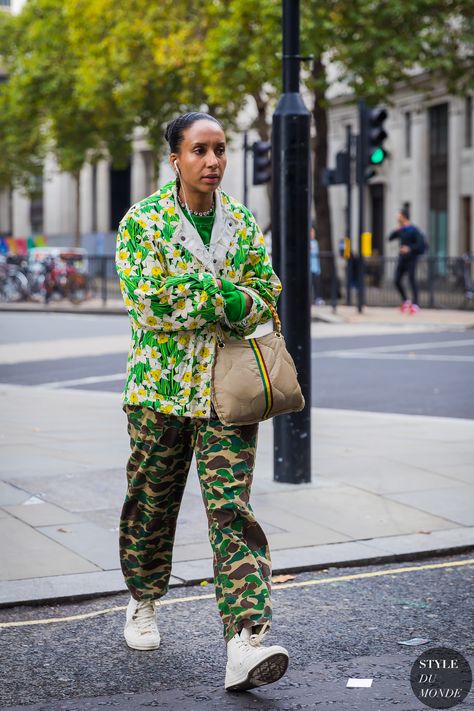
(64, 310)
(57, 589)
(117, 311)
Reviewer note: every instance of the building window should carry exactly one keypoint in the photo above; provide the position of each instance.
(438, 184)
(468, 122)
(466, 225)
(439, 130)
(37, 205)
(407, 134)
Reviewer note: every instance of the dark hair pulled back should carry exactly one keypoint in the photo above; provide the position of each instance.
(176, 127)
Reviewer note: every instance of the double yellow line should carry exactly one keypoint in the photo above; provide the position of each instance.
(276, 586)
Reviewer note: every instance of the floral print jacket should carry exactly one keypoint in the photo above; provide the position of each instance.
(168, 279)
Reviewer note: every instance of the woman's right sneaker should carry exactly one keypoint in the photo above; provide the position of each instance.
(405, 307)
(250, 664)
(141, 630)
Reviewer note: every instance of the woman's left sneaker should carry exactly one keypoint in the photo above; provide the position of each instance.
(249, 664)
(141, 630)
(414, 308)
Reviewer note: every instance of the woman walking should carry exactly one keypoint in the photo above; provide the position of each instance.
(192, 259)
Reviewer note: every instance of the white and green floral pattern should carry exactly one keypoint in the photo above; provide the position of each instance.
(168, 280)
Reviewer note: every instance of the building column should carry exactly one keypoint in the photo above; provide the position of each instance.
(86, 199)
(420, 162)
(21, 226)
(103, 196)
(6, 211)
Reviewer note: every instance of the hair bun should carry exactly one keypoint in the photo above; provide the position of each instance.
(174, 129)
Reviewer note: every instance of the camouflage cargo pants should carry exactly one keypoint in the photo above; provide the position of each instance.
(162, 447)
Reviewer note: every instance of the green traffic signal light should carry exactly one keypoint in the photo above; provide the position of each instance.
(377, 156)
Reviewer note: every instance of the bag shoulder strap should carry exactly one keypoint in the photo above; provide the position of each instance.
(275, 316)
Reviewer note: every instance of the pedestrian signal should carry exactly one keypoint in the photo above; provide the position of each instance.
(262, 162)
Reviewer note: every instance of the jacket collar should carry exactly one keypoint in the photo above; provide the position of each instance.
(223, 230)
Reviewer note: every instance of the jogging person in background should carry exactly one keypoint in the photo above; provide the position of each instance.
(412, 245)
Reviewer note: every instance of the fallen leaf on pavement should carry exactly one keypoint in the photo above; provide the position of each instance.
(282, 578)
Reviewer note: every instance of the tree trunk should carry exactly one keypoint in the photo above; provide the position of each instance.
(77, 227)
(261, 123)
(320, 192)
(155, 170)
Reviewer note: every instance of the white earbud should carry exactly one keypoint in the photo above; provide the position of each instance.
(176, 166)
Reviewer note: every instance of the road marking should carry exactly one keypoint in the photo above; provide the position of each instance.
(191, 598)
(394, 356)
(83, 381)
(419, 346)
(395, 352)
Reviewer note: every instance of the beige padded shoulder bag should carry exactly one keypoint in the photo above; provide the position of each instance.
(254, 378)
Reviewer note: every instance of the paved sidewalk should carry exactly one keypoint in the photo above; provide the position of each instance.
(384, 487)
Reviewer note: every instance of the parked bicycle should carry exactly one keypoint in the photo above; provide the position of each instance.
(13, 281)
(62, 274)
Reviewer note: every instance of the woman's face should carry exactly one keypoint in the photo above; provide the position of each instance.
(202, 157)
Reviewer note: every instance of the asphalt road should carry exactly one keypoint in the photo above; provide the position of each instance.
(336, 623)
(428, 373)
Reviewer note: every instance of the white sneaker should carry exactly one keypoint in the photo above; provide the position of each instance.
(141, 631)
(249, 664)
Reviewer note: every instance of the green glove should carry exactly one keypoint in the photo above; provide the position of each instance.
(234, 301)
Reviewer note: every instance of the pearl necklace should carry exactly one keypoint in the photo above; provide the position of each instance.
(195, 212)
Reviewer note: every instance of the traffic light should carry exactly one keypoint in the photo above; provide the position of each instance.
(262, 162)
(343, 168)
(375, 136)
(340, 175)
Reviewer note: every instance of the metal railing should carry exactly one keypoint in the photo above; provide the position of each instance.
(443, 282)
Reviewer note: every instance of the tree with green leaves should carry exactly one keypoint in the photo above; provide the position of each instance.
(21, 133)
(41, 101)
(144, 58)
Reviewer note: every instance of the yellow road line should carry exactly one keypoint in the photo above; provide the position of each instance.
(189, 598)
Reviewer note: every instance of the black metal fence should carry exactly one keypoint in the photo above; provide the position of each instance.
(443, 282)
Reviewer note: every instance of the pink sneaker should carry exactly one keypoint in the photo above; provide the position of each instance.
(414, 308)
(405, 307)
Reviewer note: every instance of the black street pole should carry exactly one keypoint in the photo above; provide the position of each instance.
(361, 164)
(291, 197)
(246, 148)
(349, 215)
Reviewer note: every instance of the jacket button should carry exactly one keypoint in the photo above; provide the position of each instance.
(215, 261)
(183, 238)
